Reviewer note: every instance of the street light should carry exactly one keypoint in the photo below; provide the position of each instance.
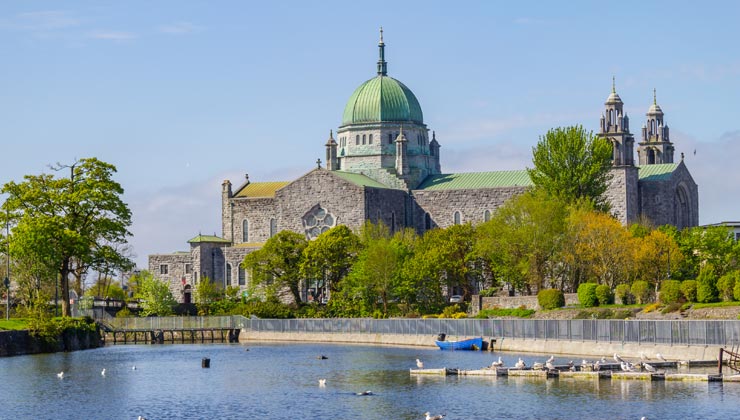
(7, 273)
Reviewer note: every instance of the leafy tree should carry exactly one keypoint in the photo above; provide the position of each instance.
(329, 258)
(688, 290)
(599, 247)
(277, 265)
(572, 164)
(67, 223)
(155, 295)
(206, 293)
(604, 294)
(706, 285)
(523, 240)
(622, 292)
(105, 287)
(655, 254)
(640, 289)
(670, 291)
(726, 285)
(587, 294)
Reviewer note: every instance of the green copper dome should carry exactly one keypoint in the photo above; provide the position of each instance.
(382, 98)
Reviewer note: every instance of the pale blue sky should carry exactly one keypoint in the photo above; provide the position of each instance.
(181, 95)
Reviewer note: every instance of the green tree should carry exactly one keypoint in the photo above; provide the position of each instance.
(726, 285)
(641, 290)
(105, 287)
(155, 295)
(328, 259)
(523, 240)
(66, 223)
(277, 265)
(572, 164)
(206, 293)
(706, 285)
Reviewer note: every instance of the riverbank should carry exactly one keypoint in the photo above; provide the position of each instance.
(22, 342)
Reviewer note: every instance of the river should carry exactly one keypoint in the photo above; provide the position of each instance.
(280, 381)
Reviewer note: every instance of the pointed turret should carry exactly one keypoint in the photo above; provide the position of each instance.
(332, 163)
(614, 126)
(656, 146)
(402, 163)
(382, 65)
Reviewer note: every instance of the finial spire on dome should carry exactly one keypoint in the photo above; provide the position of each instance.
(382, 65)
(614, 85)
(655, 100)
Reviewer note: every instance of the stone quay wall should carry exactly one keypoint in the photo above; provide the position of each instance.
(529, 302)
(16, 343)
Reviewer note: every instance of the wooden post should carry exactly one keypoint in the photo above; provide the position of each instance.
(721, 350)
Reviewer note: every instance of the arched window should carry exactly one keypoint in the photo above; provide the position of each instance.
(227, 280)
(390, 138)
(393, 221)
(273, 227)
(245, 230)
(370, 139)
(363, 139)
(242, 277)
(357, 139)
(486, 215)
(427, 221)
(456, 218)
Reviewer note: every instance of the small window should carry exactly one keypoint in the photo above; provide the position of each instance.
(486, 215)
(164, 269)
(370, 139)
(242, 277)
(227, 280)
(357, 139)
(393, 222)
(245, 230)
(390, 138)
(188, 268)
(427, 222)
(457, 217)
(273, 227)
(363, 139)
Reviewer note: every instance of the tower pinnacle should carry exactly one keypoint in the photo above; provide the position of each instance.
(614, 85)
(382, 65)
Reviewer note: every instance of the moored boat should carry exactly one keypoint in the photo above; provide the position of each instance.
(469, 344)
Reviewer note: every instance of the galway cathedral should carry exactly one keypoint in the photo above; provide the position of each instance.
(381, 165)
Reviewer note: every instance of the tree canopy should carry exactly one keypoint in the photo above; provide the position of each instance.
(69, 224)
(572, 164)
(276, 266)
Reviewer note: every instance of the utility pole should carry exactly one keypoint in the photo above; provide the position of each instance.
(7, 273)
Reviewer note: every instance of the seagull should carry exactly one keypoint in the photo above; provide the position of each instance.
(603, 359)
(643, 357)
(549, 365)
(660, 357)
(520, 364)
(133, 367)
(649, 367)
(618, 359)
(551, 359)
(322, 382)
(431, 417)
(419, 364)
(102, 372)
(597, 365)
(141, 418)
(537, 365)
(321, 357)
(60, 375)
(364, 393)
(498, 363)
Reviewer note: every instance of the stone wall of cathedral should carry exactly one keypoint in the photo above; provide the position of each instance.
(388, 206)
(472, 204)
(257, 212)
(622, 194)
(674, 201)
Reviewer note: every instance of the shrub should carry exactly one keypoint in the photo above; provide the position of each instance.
(125, 312)
(587, 294)
(604, 294)
(550, 299)
(641, 291)
(622, 292)
(491, 291)
(505, 312)
(706, 285)
(688, 289)
(650, 308)
(603, 314)
(726, 285)
(736, 290)
(670, 291)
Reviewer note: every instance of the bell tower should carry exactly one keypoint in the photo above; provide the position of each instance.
(656, 146)
(614, 125)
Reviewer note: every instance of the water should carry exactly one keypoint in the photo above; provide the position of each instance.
(280, 381)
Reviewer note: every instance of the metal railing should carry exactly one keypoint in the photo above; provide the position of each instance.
(680, 332)
(172, 323)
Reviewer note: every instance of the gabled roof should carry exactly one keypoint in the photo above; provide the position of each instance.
(359, 179)
(475, 180)
(657, 172)
(260, 189)
(208, 238)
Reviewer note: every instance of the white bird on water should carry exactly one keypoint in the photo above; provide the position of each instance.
(102, 372)
(597, 365)
(649, 367)
(60, 375)
(419, 364)
(618, 359)
(551, 359)
(431, 417)
(643, 357)
(364, 393)
(520, 364)
(322, 382)
(133, 367)
(549, 365)
(498, 363)
(660, 357)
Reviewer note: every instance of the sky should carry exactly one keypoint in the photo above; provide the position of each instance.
(181, 95)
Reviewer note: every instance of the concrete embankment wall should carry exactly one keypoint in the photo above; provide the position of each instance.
(583, 348)
(16, 343)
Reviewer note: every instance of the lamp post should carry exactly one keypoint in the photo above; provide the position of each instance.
(7, 273)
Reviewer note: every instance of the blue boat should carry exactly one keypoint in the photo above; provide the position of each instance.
(469, 344)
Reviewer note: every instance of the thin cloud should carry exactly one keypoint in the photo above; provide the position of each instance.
(113, 35)
(529, 21)
(179, 28)
(495, 127)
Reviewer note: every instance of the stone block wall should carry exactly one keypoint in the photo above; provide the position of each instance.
(530, 302)
(176, 271)
(622, 194)
(472, 204)
(258, 212)
(388, 206)
(661, 204)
